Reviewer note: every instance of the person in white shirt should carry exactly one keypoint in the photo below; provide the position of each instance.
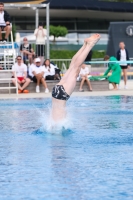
(38, 75)
(21, 72)
(84, 72)
(50, 72)
(30, 74)
(123, 55)
(4, 23)
(40, 34)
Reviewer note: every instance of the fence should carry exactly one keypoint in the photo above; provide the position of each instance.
(7, 52)
(6, 80)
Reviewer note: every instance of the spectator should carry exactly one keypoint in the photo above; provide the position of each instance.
(38, 75)
(50, 71)
(21, 72)
(27, 51)
(30, 74)
(116, 72)
(123, 55)
(4, 23)
(57, 70)
(40, 34)
(84, 72)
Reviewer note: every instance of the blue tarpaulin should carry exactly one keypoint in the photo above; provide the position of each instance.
(9, 46)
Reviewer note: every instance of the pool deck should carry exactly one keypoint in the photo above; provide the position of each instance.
(128, 92)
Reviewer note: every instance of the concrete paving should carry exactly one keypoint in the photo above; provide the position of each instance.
(128, 92)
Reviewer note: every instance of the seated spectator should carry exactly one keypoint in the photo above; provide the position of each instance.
(38, 75)
(21, 72)
(50, 71)
(57, 70)
(30, 74)
(27, 51)
(4, 23)
(84, 72)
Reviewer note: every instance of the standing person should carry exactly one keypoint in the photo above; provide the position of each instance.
(84, 72)
(4, 23)
(116, 71)
(27, 51)
(62, 91)
(38, 75)
(40, 34)
(21, 72)
(123, 55)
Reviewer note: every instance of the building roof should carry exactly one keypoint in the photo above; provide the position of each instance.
(81, 4)
(91, 5)
(24, 1)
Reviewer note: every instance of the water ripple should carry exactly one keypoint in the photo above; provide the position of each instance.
(89, 158)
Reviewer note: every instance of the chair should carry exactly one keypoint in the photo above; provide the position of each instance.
(7, 52)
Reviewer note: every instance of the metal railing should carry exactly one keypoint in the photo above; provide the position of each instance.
(63, 64)
(8, 52)
(7, 56)
(6, 78)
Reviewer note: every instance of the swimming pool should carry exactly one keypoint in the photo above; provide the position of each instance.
(91, 159)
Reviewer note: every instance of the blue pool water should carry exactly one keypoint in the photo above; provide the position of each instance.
(90, 159)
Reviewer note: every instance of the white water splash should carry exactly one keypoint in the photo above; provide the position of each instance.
(52, 127)
(49, 126)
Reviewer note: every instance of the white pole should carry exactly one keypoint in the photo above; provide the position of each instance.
(37, 17)
(47, 25)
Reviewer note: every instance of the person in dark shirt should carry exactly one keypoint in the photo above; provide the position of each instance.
(27, 51)
(123, 56)
(89, 56)
(88, 59)
(4, 23)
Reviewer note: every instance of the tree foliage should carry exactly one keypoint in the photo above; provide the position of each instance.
(58, 31)
(66, 54)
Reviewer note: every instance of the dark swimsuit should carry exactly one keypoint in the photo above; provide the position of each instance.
(59, 93)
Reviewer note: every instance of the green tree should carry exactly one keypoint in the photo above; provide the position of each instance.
(126, 1)
(57, 31)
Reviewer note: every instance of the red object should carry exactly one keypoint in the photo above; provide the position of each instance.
(19, 91)
(25, 91)
(20, 78)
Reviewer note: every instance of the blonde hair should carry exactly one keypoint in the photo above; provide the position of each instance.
(122, 43)
(106, 57)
